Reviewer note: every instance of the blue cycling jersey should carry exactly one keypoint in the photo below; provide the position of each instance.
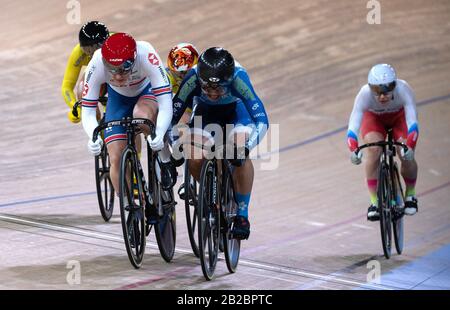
(240, 88)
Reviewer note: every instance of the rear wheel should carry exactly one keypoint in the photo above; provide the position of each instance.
(384, 207)
(132, 208)
(165, 230)
(191, 206)
(105, 190)
(163, 210)
(208, 220)
(397, 219)
(232, 247)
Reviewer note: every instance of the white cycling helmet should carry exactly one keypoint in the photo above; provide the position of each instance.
(382, 78)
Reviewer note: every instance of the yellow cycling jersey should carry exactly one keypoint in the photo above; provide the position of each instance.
(175, 83)
(76, 61)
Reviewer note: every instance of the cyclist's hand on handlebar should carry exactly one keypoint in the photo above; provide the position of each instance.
(74, 119)
(408, 155)
(95, 148)
(156, 144)
(356, 157)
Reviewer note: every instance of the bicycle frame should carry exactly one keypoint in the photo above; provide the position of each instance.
(387, 191)
(389, 151)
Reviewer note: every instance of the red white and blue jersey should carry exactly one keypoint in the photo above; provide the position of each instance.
(148, 69)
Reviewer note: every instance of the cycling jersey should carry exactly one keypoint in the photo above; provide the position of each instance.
(147, 72)
(76, 61)
(240, 88)
(175, 83)
(366, 101)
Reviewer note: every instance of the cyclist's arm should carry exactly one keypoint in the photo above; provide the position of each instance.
(410, 115)
(184, 98)
(161, 89)
(354, 124)
(93, 80)
(243, 89)
(76, 61)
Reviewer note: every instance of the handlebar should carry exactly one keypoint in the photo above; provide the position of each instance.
(102, 100)
(382, 144)
(127, 122)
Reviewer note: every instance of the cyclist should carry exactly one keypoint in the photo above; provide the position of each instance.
(91, 37)
(137, 86)
(225, 95)
(182, 57)
(385, 102)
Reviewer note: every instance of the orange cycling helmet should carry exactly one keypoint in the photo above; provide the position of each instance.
(182, 57)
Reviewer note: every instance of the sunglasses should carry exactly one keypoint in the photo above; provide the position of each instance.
(382, 89)
(124, 68)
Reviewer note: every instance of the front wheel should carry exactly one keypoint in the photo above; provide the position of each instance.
(208, 219)
(132, 207)
(105, 190)
(384, 207)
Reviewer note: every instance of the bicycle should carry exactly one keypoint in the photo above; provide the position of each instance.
(390, 194)
(105, 190)
(216, 210)
(141, 207)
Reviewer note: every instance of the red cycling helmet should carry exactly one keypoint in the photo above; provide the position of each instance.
(119, 52)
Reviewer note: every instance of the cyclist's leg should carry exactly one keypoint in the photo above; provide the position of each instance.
(118, 106)
(197, 135)
(372, 130)
(243, 175)
(147, 107)
(115, 149)
(186, 116)
(409, 168)
(196, 154)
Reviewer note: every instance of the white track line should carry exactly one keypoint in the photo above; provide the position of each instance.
(244, 262)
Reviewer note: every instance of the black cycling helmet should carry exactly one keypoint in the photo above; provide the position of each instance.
(215, 65)
(92, 33)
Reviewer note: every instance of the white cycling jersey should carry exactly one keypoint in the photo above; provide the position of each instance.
(147, 69)
(403, 97)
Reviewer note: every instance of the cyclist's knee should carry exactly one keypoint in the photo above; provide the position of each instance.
(115, 149)
(238, 137)
(195, 163)
(145, 109)
(373, 154)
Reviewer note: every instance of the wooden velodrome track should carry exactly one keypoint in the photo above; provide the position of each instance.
(307, 60)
